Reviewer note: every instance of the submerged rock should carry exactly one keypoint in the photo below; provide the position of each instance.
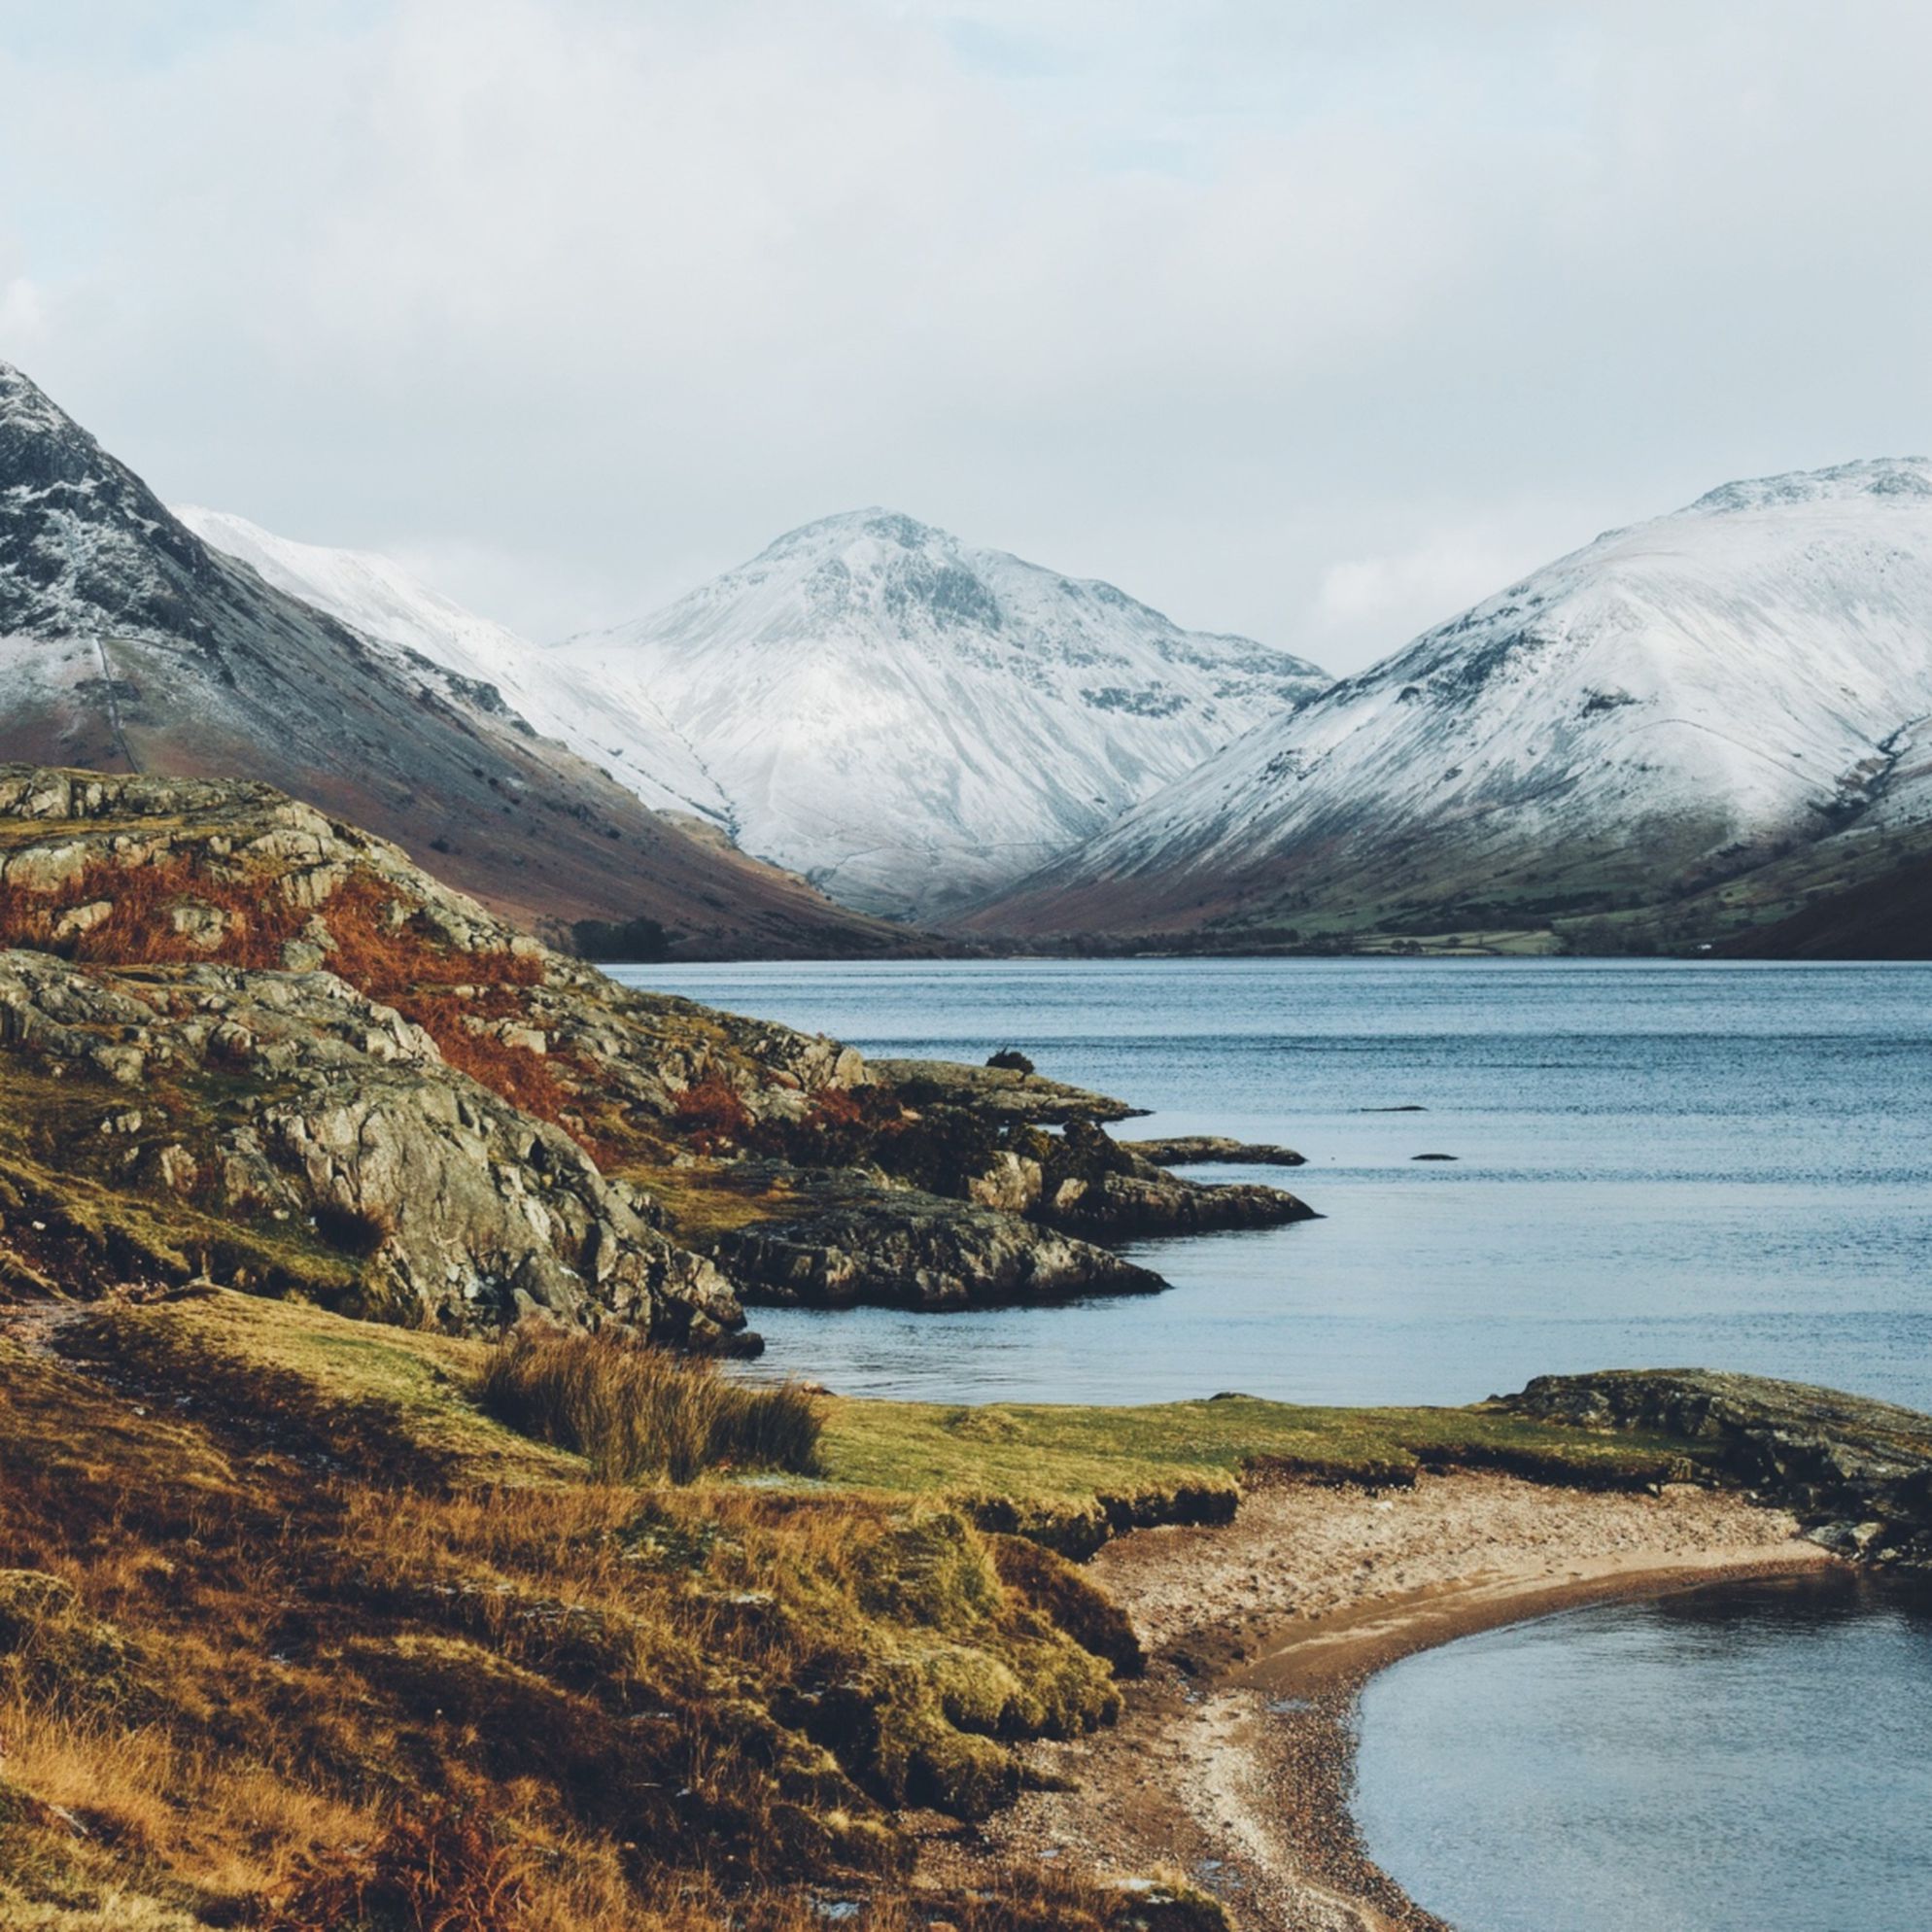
(1204, 1149)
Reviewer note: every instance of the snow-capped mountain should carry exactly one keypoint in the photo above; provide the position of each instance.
(1675, 703)
(624, 731)
(125, 642)
(912, 722)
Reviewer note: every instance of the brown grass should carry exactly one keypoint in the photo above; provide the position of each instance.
(633, 1410)
(352, 1680)
(379, 948)
(711, 1114)
(442, 1870)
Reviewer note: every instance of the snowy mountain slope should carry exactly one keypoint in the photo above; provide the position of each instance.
(1673, 702)
(626, 734)
(127, 642)
(912, 722)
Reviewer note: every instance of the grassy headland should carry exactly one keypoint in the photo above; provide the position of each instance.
(335, 1599)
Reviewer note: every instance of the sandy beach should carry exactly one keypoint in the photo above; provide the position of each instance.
(1232, 1761)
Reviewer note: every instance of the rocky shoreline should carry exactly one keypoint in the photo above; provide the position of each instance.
(364, 1088)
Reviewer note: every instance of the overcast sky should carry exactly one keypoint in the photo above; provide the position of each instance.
(1312, 321)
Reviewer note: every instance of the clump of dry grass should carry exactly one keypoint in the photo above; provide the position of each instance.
(636, 1411)
(712, 1115)
(440, 1870)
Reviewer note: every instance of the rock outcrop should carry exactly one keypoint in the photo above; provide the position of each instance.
(1091, 1184)
(473, 1125)
(901, 1248)
(1857, 1471)
(1213, 1149)
(295, 1136)
(1001, 1090)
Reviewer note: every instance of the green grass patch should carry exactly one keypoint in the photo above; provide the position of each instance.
(1073, 1477)
(417, 1380)
(708, 1197)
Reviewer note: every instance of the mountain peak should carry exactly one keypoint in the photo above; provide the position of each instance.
(1899, 476)
(1670, 706)
(24, 404)
(884, 526)
(912, 721)
(84, 543)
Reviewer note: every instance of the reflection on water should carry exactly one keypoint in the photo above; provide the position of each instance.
(1658, 1164)
(1736, 1759)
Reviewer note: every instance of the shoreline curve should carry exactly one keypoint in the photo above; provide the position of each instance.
(1234, 1757)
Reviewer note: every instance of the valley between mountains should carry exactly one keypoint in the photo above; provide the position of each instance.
(392, 1538)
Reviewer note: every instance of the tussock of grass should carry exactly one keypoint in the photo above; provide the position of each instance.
(632, 1410)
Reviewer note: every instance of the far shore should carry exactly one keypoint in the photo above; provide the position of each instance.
(1233, 1760)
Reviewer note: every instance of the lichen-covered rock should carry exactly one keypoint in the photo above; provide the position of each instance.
(242, 875)
(333, 1124)
(845, 1244)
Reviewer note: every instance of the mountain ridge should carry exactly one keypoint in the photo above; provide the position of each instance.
(387, 603)
(850, 689)
(1668, 704)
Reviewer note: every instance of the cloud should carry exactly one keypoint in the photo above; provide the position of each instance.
(1289, 318)
(1397, 594)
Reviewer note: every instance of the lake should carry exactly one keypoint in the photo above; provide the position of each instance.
(1657, 1164)
(1733, 1759)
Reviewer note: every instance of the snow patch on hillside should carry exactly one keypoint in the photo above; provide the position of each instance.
(1751, 664)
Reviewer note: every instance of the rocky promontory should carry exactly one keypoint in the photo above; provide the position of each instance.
(244, 1040)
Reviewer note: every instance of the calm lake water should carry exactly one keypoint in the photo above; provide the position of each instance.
(1738, 1759)
(1657, 1164)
